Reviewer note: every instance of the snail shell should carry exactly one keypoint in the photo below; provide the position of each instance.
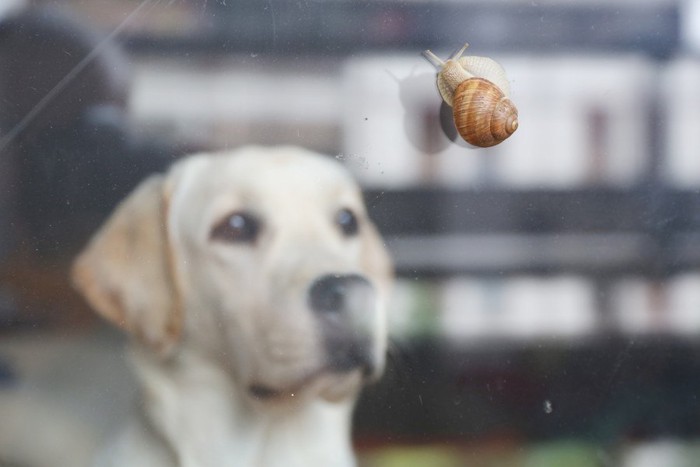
(483, 115)
(478, 91)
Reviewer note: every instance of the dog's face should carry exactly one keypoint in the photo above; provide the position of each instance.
(263, 261)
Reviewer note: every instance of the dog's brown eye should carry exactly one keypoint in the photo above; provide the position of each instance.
(347, 221)
(238, 227)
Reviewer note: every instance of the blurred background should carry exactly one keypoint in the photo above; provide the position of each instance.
(548, 305)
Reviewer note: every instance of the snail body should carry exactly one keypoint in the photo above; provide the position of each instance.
(478, 91)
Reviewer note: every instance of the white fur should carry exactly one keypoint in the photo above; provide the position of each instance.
(212, 319)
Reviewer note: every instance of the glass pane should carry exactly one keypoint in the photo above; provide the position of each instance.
(544, 307)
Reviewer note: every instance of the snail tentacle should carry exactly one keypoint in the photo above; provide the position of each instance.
(458, 54)
(434, 59)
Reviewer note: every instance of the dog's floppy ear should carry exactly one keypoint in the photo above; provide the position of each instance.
(125, 272)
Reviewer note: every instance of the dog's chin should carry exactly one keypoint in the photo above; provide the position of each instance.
(340, 387)
(326, 385)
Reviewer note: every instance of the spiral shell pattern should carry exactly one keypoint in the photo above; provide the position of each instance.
(483, 115)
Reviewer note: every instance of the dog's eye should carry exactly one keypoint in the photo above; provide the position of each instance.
(237, 227)
(347, 221)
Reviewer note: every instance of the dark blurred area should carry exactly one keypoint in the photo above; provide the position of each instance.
(65, 129)
(68, 156)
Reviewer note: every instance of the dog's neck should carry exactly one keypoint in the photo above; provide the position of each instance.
(204, 419)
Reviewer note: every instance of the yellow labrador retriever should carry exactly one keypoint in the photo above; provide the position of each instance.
(254, 286)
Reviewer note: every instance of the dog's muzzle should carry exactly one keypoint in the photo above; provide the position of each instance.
(346, 307)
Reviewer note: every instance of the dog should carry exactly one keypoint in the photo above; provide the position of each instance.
(253, 286)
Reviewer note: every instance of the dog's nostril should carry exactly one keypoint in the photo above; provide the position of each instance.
(332, 293)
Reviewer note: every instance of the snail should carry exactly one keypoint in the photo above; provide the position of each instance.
(478, 91)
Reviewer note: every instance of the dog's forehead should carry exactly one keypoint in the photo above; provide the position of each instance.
(279, 171)
(260, 176)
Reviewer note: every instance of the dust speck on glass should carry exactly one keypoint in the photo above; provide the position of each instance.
(542, 304)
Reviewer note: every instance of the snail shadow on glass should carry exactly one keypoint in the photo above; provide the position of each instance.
(427, 123)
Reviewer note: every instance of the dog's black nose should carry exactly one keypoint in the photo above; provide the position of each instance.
(345, 306)
(336, 293)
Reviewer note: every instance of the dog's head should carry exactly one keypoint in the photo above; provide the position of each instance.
(263, 261)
